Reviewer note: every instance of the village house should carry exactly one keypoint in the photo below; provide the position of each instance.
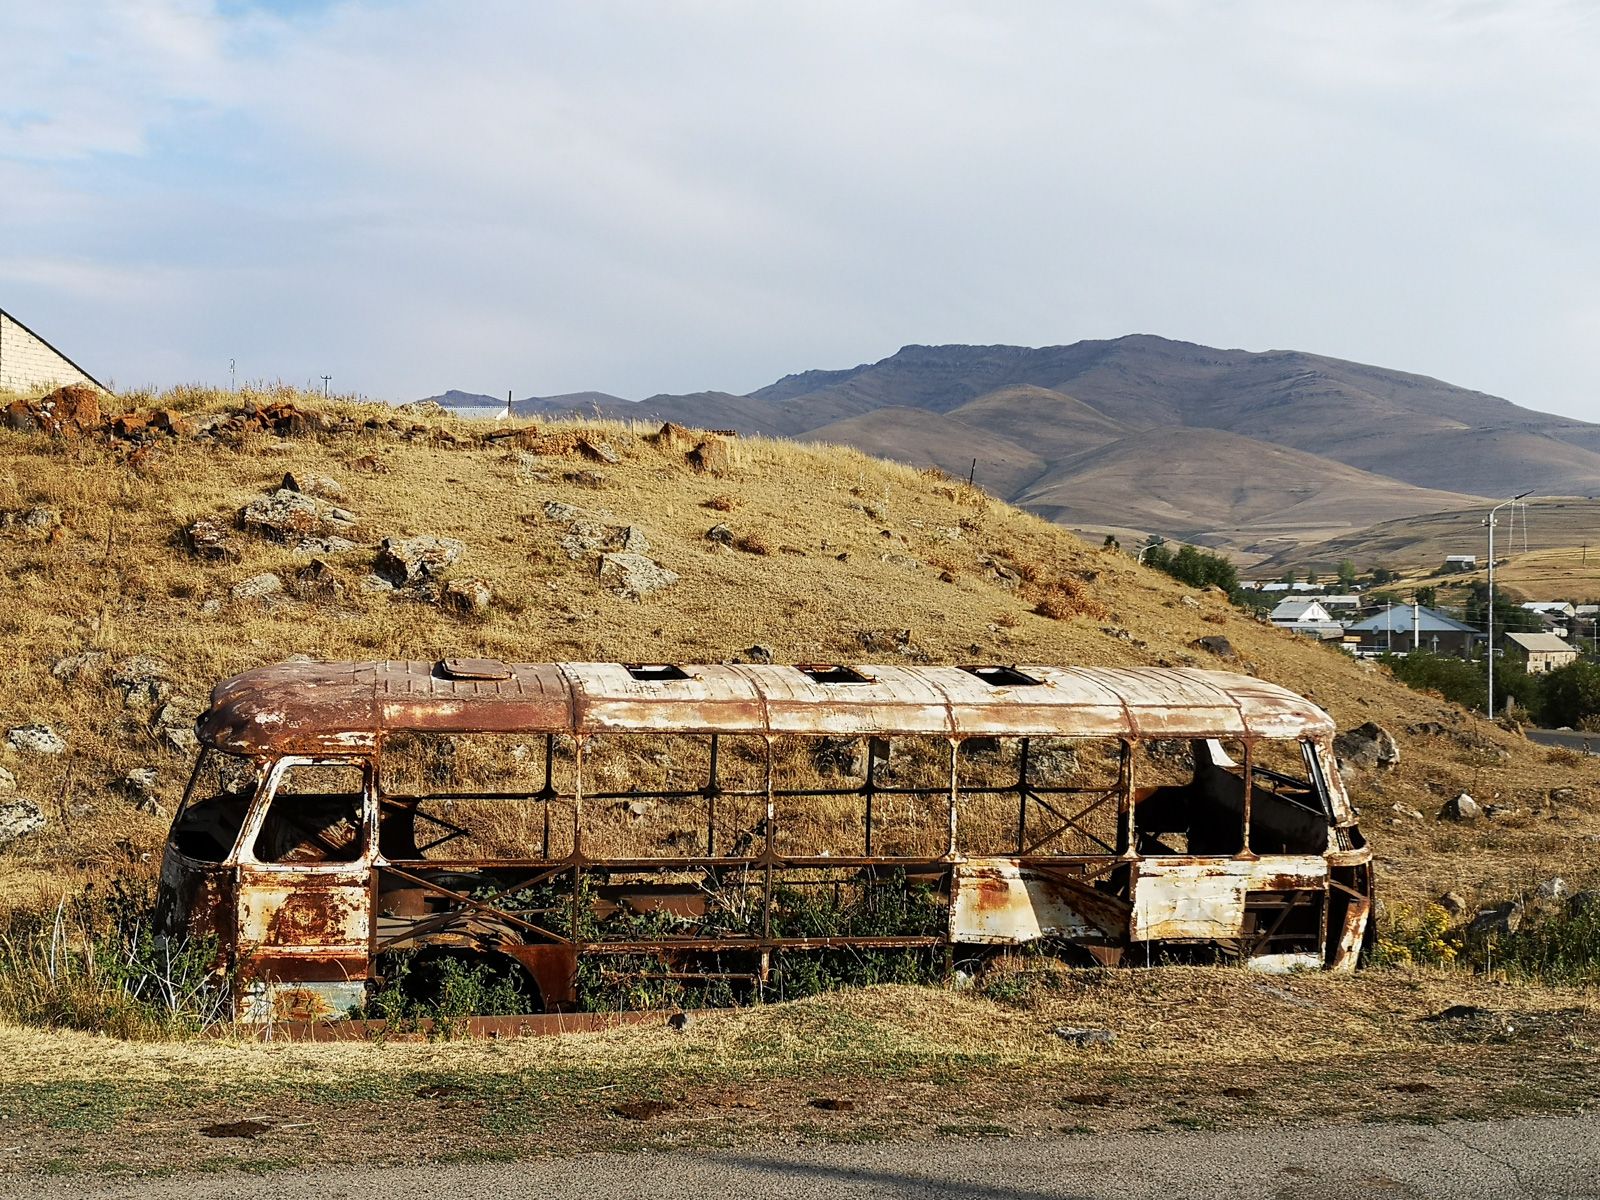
(29, 364)
(1301, 611)
(1539, 652)
(1460, 562)
(1406, 627)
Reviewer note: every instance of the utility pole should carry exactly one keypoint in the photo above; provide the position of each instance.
(1489, 521)
(325, 379)
(233, 381)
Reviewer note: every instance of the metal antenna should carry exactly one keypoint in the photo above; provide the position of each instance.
(325, 379)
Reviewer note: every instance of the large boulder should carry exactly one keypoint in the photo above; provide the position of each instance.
(1369, 746)
(711, 457)
(35, 739)
(1463, 808)
(633, 575)
(1495, 923)
(287, 516)
(466, 597)
(144, 681)
(414, 560)
(211, 541)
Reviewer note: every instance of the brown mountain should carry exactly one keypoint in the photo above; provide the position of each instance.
(1108, 434)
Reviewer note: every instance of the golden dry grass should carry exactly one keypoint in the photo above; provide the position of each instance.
(870, 561)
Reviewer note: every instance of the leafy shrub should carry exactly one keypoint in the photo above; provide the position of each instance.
(1412, 938)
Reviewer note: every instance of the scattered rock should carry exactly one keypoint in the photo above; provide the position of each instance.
(1563, 795)
(1369, 746)
(323, 545)
(711, 457)
(74, 666)
(257, 587)
(637, 809)
(466, 597)
(288, 516)
(1554, 888)
(1453, 903)
(1500, 921)
(758, 653)
(840, 756)
(140, 784)
(211, 541)
(35, 739)
(588, 479)
(370, 464)
(1188, 602)
(413, 560)
(375, 584)
(680, 1021)
(313, 485)
(1409, 813)
(1463, 808)
(8, 782)
(672, 437)
(174, 726)
(19, 818)
(1215, 643)
(317, 580)
(633, 575)
(66, 412)
(145, 681)
(721, 534)
(1084, 1037)
(598, 450)
(1494, 811)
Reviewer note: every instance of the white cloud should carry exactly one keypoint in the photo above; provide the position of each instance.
(638, 197)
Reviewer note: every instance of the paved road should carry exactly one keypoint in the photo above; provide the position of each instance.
(1507, 1160)
(1589, 743)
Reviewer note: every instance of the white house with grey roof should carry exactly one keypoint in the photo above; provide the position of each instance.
(29, 364)
(1540, 652)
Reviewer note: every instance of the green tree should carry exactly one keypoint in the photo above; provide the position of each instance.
(1427, 596)
(1311, 575)
(1347, 573)
(1571, 694)
(1288, 576)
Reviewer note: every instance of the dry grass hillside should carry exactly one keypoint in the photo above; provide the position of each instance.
(834, 556)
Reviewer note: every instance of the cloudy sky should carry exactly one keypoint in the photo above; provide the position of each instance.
(412, 195)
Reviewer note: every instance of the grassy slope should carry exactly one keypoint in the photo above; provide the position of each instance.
(117, 580)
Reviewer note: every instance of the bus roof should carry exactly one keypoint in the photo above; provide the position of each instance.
(341, 707)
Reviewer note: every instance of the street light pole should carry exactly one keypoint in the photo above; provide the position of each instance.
(1489, 521)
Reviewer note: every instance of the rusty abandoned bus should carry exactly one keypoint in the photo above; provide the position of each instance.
(715, 820)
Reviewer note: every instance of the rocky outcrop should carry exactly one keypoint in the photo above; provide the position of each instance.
(633, 575)
(407, 562)
(1370, 747)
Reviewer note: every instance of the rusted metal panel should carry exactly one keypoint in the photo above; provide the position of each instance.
(998, 902)
(299, 914)
(527, 1025)
(320, 707)
(1187, 899)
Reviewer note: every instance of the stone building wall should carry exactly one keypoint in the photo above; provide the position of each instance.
(29, 364)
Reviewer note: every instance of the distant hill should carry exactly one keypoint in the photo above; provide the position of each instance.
(1107, 434)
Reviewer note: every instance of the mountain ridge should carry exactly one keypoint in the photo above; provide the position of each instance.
(1443, 445)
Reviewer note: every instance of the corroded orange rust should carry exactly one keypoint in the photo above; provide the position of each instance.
(311, 708)
(307, 935)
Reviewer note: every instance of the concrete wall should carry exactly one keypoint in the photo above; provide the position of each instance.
(28, 365)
